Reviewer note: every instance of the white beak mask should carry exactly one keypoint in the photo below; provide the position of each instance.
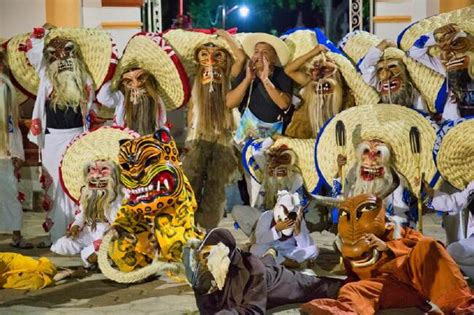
(287, 206)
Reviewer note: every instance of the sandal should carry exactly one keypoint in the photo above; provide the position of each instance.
(21, 244)
(44, 244)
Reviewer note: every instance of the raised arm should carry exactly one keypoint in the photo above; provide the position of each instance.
(235, 96)
(292, 69)
(281, 99)
(240, 57)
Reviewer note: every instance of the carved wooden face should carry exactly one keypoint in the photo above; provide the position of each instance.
(457, 48)
(391, 74)
(134, 81)
(99, 173)
(63, 51)
(375, 157)
(360, 215)
(279, 160)
(325, 73)
(214, 60)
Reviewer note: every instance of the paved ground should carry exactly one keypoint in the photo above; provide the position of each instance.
(95, 294)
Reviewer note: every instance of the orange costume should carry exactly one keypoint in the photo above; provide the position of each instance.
(411, 271)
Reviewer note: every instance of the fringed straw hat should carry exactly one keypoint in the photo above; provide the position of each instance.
(100, 144)
(96, 47)
(151, 52)
(305, 160)
(463, 17)
(184, 44)
(385, 122)
(454, 152)
(302, 41)
(429, 83)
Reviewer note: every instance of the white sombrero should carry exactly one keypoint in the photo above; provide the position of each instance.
(385, 122)
(151, 52)
(100, 144)
(454, 152)
(302, 41)
(252, 39)
(429, 83)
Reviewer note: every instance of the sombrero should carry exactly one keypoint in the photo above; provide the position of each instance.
(385, 122)
(302, 41)
(462, 17)
(184, 44)
(429, 83)
(20, 97)
(454, 152)
(149, 51)
(96, 48)
(252, 39)
(305, 161)
(102, 143)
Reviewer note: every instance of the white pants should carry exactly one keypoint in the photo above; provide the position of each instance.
(463, 254)
(83, 244)
(62, 212)
(11, 213)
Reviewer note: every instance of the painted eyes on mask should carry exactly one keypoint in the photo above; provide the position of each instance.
(367, 207)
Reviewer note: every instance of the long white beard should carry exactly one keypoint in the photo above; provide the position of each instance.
(376, 186)
(96, 203)
(68, 86)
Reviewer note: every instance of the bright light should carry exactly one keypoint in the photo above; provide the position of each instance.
(244, 11)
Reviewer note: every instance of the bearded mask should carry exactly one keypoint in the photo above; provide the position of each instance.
(214, 61)
(360, 215)
(67, 73)
(286, 207)
(101, 189)
(144, 110)
(394, 84)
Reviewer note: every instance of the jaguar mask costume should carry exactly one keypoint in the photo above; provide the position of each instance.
(157, 217)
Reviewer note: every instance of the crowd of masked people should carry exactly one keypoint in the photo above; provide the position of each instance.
(361, 138)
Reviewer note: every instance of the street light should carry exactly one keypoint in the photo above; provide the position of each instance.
(243, 12)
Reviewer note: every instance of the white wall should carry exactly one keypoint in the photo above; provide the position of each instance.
(20, 16)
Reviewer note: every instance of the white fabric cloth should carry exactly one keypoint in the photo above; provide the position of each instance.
(463, 254)
(62, 212)
(11, 214)
(299, 248)
(15, 139)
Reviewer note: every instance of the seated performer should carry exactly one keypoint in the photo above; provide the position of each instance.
(98, 193)
(228, 281)
(390, 268)
(284, 229)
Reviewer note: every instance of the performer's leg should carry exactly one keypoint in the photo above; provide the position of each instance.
(463, 254)
(194, 166)
(11, 214)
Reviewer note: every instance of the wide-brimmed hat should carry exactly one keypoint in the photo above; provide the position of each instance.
(250, 40)
(304, 150)
(302, 41)
(385, 122)
(429, 83)
(462, 17)
(100, 144)
(151, 52)
(96, 48)
(454, 152)
(20, 97)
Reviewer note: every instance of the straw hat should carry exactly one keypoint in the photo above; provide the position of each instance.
(304, 150)
(385, 122)
(454, 152)
(462, 17)
(149, 51)
(95, 45)
(184, 44)
(428, 82)
(302, 41)
(103, 143)
(252, 39)
(20, 97)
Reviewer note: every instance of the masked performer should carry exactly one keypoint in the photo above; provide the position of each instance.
(226, 280)
(398, 78)
(70, 64)
(156, 218)
(98, 193)
(149, 80)
(445, 43)
(329, 82)
(284, 229)
(210, 161)
(11, 156)
(380, 158)
(391, 269)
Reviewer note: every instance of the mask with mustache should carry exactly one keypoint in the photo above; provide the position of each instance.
(394, 83)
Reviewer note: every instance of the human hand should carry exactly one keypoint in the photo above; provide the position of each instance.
(375, 242)
(222, 33)
(428, 189)
(385, 43)
(263, 75)
(341, 160)
(446, 29)
(250, 71)
(283, 225)
(318, 49)
(73, 232)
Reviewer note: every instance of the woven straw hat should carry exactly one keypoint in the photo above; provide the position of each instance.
(302, 41)
(95, 45)
(385, 122)
(102, 143)
(428, 82)
(184, 44)
(304, 150)
(455, 154)
(252, 39)
(462, 17)
(20, 97)
(149, 51)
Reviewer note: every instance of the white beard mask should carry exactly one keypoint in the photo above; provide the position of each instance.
(287, 206)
